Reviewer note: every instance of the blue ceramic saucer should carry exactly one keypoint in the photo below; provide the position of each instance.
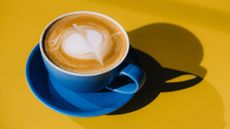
(103, 102)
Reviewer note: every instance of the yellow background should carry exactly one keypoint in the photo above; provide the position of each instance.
(203, 106)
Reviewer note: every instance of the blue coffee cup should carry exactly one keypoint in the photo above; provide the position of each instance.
(85, 83)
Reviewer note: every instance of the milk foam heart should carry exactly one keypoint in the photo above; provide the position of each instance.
(84, 42)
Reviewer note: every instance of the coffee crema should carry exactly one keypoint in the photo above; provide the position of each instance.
(85, 43)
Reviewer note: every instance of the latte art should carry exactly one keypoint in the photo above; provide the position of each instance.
(85, 43)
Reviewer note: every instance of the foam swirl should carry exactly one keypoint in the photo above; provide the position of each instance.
(84, 42)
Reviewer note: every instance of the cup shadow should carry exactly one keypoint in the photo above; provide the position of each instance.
(177, 53)
(171, 52)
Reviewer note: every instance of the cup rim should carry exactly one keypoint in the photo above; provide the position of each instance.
(75, 73)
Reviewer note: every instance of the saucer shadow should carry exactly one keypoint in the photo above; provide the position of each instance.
(199, 107)
(177, 53)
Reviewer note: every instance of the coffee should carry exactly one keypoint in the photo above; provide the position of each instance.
(85, 43)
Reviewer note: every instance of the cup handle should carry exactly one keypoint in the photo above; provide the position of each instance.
(135, 74)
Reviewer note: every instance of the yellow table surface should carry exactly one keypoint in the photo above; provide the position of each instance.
(187, 35)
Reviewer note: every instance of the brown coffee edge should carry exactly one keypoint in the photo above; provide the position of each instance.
(109, 61)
